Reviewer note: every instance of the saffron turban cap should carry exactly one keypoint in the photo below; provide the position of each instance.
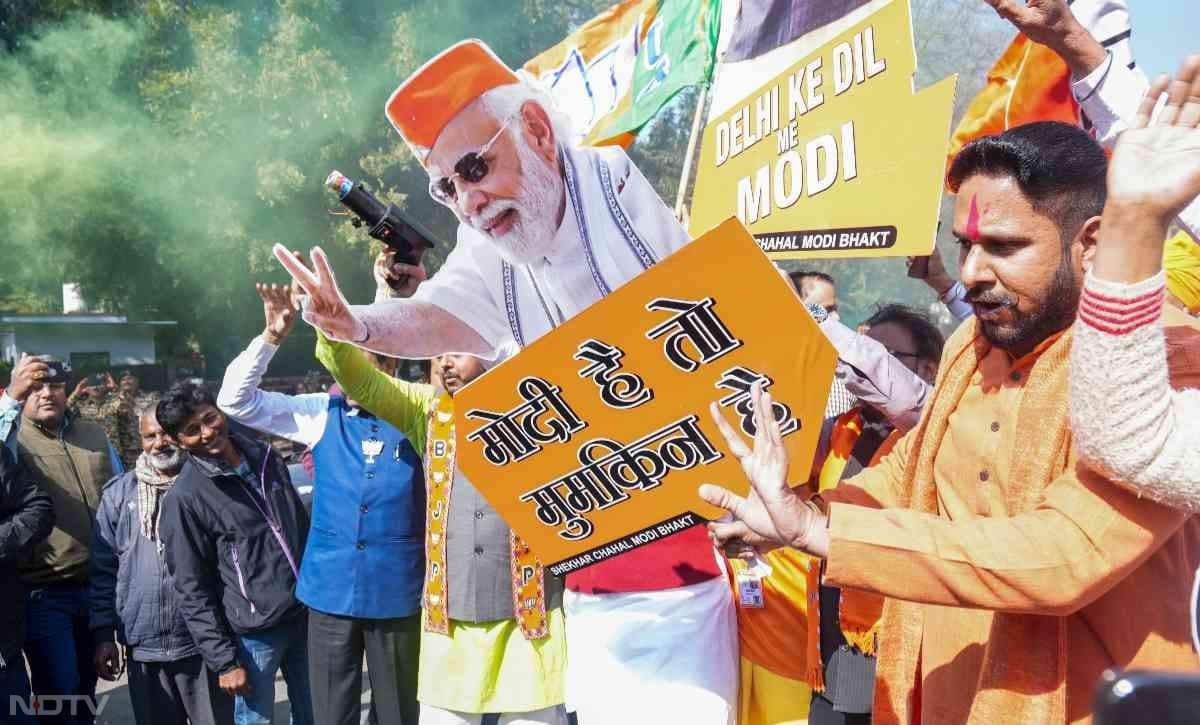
(426, 101)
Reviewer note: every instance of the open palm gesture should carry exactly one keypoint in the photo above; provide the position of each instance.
(324, 305)
(1156, 163)
(771, 510)
(279, 311)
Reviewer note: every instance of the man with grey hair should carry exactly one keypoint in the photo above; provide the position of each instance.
(546, 230)
(133, 610)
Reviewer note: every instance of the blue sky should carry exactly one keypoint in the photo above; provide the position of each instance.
(1164, 31)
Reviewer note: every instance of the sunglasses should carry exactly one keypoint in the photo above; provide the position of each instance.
(472, 168)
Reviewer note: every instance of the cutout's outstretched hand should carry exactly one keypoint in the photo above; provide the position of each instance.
(324, 306)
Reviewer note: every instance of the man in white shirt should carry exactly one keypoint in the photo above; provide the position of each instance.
(818, 288)
(363, 564)
(547, 230)
(1107, 90)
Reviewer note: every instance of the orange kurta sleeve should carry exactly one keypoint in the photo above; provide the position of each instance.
(877, 487)
(1083, 538)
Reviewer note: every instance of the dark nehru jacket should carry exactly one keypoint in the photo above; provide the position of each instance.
(478, 559)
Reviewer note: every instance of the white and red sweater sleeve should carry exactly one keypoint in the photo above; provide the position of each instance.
(1129, 424)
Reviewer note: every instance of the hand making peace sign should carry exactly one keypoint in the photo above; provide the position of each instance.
(324, 307)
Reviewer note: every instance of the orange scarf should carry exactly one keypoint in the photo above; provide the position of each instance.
(1040, 458)
(528, 575)
(858, 612)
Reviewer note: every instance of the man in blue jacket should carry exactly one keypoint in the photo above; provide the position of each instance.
(234, 529)
(364, 565)
(132, 596)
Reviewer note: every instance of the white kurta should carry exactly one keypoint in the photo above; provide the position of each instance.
(668, 656)
(614, 228)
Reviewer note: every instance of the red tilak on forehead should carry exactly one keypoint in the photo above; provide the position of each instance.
(972, 230)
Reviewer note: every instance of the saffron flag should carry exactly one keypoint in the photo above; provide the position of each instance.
(615, 72)
(680, 51)
(590, 73)
(1031, 83)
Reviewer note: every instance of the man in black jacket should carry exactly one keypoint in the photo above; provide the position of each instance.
(26, 516)
(132, 598)
(234, 529)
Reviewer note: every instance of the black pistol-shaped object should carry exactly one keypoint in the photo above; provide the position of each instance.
(383, 221)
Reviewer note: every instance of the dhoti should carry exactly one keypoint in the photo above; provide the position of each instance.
(657, 656)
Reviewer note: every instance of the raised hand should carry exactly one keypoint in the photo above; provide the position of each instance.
(1042, 21)
(27, 377)
(935, 276)
(324, 308)
(1051, 23)
(772, 510)
(405, 277)
(1155, 167)
(279, 311)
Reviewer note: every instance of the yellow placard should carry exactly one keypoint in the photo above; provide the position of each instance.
(594, 439)
(835, 157)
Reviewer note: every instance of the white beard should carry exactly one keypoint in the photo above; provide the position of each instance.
(537, 203)
(170, 461)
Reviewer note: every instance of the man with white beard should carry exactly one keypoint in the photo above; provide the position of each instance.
(131, 596)
(547, 230)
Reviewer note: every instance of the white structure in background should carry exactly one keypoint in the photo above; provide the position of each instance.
(88, 340)
(97, 342)
(73, 303)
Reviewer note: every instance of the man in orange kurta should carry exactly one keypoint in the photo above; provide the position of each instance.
(1015, 576)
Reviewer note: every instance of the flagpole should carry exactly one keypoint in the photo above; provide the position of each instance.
(686, 174)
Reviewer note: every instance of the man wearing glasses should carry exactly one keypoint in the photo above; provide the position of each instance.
(546, 230)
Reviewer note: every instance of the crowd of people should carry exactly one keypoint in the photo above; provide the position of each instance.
(990, 522)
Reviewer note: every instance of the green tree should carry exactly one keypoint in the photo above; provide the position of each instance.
(155, 150)
(165, 146)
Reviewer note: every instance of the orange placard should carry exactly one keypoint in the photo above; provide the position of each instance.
(593, 440)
